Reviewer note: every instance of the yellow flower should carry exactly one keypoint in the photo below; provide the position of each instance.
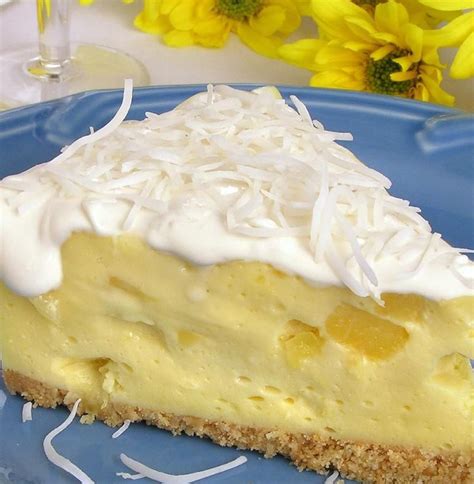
(382, 52)
(430, 13)
(459, 32)
(304, 6)
(448, 4)
(261, 24)
(423, 13)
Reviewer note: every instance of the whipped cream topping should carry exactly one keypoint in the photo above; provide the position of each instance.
(227, 175)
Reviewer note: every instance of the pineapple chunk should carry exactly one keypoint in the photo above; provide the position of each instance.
(300, 341)
(188, 338)
(453, 371)
(404, 307)
(365, 333)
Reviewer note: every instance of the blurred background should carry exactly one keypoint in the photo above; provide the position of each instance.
(110, 23)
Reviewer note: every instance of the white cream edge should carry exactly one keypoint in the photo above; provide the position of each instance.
(30, 260)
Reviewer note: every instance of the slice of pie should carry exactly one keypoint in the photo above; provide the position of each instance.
(228, 270)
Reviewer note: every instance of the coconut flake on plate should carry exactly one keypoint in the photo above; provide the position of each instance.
(158, 476)
(26, 414)
(121, 430)
(59, 460)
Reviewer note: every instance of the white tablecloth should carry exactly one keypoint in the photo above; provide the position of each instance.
(110, 23)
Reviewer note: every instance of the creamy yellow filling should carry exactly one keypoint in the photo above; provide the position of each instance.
(245, 343)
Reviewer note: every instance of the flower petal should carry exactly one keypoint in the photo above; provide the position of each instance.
(390, 17)
(214, 41)
(414, 38)
(301, 53)
(359, 73)
(420, 92)
(404, 62)
(386, 37)
(433, 72)
(176, 38)
(436, 93)
(304, 7)
(336, 79)
(358, 46)
(182, 16)
(268, 21)
(205, 9)
(151, 9)
(150, 20)
(447, 4)
(292, 21)
(463, 64)
(292, 14)
(166, 6)
(431, 57)
(452, 34)
(267, 46)
(214, 25)
(333, 57)
(362, 28)
(331, 17)
(381, 52)
(403, 76)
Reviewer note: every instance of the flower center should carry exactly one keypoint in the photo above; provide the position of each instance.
(378, 75)
(238, 9)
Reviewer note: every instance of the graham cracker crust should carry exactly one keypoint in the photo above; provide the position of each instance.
(369, 463)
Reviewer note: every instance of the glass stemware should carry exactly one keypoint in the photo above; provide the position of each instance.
(56, 68)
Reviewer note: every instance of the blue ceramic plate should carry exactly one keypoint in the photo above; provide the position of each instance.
(426, 150)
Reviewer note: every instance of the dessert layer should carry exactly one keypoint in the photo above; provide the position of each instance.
(246, 344)
(368, 462)
(227, 175)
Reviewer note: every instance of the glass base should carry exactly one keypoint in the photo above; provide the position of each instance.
(23, 80)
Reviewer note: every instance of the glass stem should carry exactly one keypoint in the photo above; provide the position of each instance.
(53, 28)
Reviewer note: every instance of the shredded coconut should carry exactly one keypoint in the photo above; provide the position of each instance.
(332, 478)
(121, 430)
(58, 459)
(271, 171)
(26, 415)
(3, 398)
(127, 475)
(155, 475)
